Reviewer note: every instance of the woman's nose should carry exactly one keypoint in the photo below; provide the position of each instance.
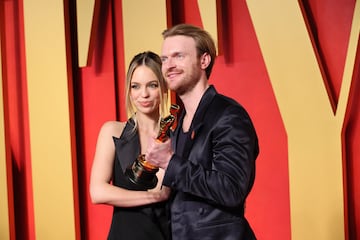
(144, 92)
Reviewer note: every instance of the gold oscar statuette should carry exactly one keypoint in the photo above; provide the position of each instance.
(143, 173)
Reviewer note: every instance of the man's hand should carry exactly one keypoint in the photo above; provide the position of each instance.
(159, 153)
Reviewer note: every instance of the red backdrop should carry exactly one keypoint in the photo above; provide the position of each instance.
(239, 73)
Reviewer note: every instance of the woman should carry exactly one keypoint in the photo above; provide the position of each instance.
(138, 214)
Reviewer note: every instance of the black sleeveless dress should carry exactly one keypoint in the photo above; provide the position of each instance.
(149, 222)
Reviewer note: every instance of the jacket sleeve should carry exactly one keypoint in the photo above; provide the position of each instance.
(231, 147)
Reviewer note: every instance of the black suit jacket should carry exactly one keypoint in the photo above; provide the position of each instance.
(215, 173)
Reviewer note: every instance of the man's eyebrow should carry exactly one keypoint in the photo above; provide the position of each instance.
(175, 53)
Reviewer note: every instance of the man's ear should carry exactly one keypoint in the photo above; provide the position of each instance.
(205, 60)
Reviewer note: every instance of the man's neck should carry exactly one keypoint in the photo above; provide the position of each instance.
(192, 99)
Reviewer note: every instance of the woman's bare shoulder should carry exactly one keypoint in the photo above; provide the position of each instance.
(114, 128)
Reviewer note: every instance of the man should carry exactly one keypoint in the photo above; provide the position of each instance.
(210, 159)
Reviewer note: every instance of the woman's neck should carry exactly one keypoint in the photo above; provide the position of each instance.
(147, 123)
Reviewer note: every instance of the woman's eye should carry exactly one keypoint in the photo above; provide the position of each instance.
(154, 85)
(134, 86)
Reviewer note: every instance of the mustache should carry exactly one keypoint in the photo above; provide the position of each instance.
(172, 71)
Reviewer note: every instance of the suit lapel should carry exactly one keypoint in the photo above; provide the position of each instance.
(197, 122)
(127, 146)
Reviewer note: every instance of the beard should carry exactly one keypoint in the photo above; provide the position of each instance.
(186, 83)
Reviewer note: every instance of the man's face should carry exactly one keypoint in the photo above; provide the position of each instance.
(180, 64)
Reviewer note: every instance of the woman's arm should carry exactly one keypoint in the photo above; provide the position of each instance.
(101, 191)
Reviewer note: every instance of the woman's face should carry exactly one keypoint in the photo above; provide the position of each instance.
(145, 90)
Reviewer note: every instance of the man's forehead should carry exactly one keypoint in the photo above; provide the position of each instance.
(177, 44)
(178, 39)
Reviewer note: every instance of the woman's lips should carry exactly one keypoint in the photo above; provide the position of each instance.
(145, 104)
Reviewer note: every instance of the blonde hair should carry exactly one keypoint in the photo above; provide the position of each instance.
(152, 61)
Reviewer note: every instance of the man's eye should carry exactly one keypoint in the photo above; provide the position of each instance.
(163, 59)
(180, 56)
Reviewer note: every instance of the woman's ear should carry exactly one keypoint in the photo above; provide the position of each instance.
(205, 60)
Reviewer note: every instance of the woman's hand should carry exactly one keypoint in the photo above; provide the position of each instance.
(160, 194)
